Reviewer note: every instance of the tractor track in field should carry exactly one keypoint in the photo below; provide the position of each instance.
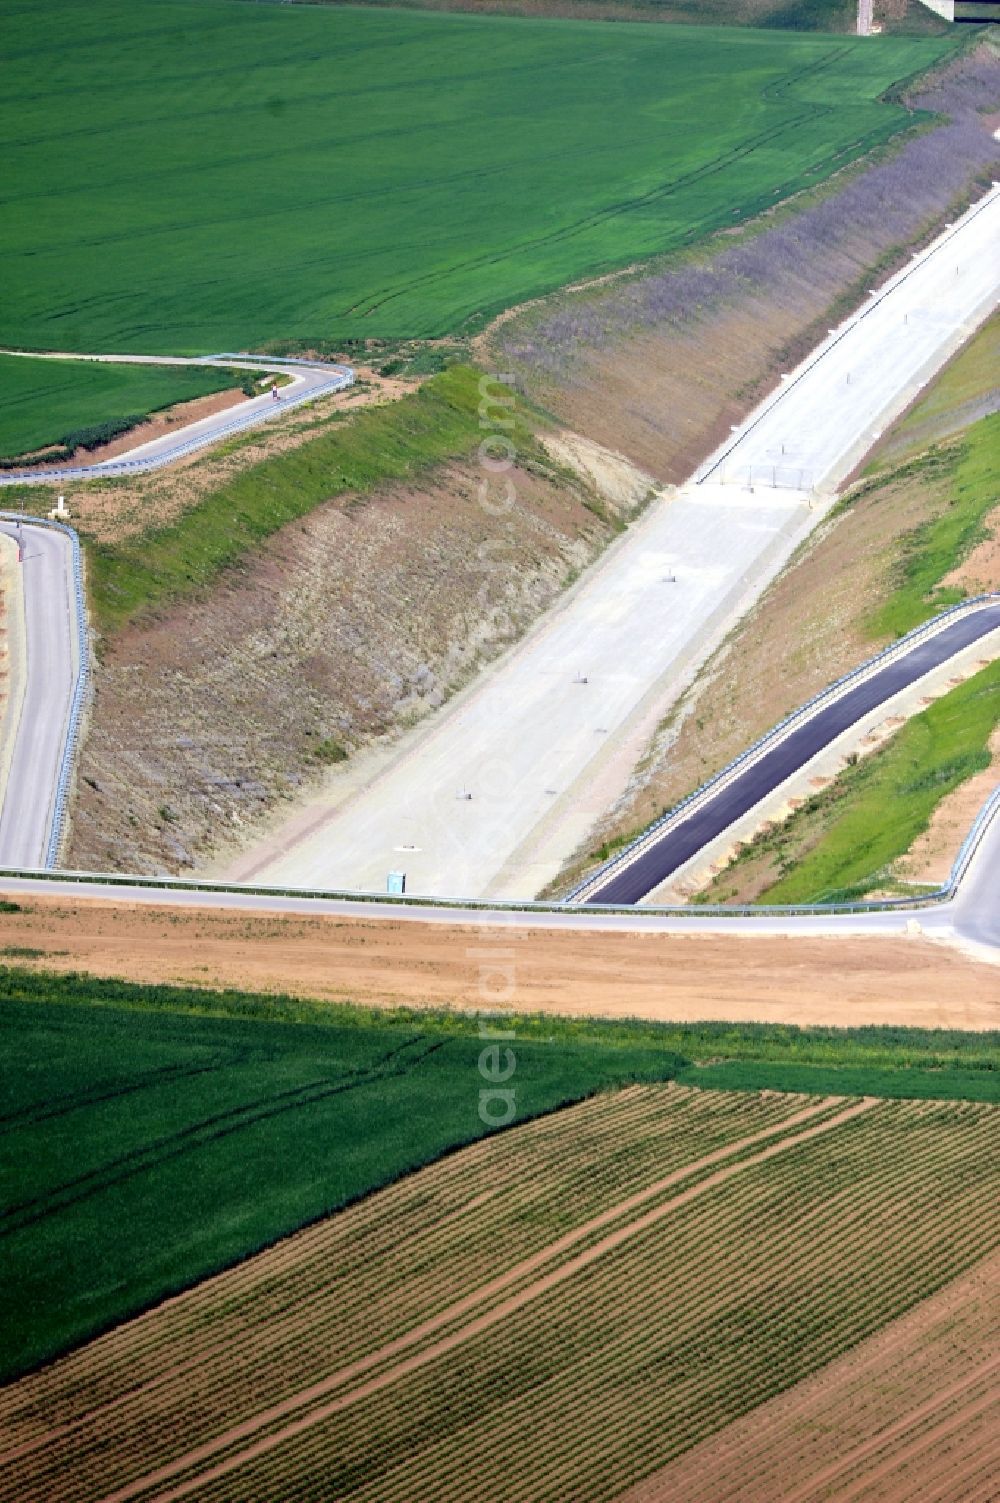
(17, 1216)
(463, 1307)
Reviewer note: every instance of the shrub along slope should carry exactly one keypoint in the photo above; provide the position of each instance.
(440, 421)
(842, 842)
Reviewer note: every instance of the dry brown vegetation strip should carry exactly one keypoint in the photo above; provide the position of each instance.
(808, 629)
(111, 511)
(930, 857)
(658, 365)
(346, 1286)
(464, 1307)
(855, 1423)
(381, 962)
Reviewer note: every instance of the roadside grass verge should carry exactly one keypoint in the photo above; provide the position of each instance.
(440, 421)
(840, 844)
(154, 1134)
(933, 550)
(69, 403)
(967, 389)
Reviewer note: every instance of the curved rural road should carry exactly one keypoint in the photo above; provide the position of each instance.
(970, 919)
(52, 638)
(662, 851)
(309, 379)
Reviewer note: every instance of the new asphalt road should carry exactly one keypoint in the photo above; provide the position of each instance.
(972, 916)
(51, 638)
(651, 862)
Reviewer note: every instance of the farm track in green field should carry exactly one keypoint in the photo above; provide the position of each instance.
(227, 175)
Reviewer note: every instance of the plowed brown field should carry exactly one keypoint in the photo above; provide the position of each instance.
(555, 1312)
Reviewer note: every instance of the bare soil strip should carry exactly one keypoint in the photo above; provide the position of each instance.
(671, 977)
(483, 1322)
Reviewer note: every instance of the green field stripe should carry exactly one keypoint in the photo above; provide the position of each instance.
(18, 1216)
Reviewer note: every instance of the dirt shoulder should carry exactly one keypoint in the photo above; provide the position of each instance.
(680, 978)
(930, 858)
(351, 625)
(116, 509)
(808, 629)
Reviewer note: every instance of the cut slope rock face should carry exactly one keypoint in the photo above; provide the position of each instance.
(348, 626)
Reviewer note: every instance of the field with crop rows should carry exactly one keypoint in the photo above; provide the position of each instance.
(555, 1312)
(194, 175)
(142, 1151)
(46, 402)
(913, 1412)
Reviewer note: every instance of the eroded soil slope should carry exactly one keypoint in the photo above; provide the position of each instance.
(347, 625)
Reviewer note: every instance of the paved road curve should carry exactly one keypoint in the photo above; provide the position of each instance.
(51, 632)
(630, 880)
(309, 379)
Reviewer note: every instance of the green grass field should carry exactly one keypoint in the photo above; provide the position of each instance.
(787, 15)
(141, 1150)
(55, 401)
(185, 177)
(152, 1134)
(973, 471)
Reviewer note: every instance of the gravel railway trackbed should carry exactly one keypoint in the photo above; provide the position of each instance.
(494, 792)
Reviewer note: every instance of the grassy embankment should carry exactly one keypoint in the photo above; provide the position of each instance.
(440, 421)
(154, 1134)
(390, 175)
(841, 843)
(81, 404)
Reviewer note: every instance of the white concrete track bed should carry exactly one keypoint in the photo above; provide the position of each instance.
(531, 744)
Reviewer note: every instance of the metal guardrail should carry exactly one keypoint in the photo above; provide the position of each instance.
(773, 737)
(971, 844)
(693, 913)
(707, 469)
(80, 685)
(111, 467)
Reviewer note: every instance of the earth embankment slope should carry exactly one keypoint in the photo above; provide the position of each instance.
(274, 646)
(908, 539)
